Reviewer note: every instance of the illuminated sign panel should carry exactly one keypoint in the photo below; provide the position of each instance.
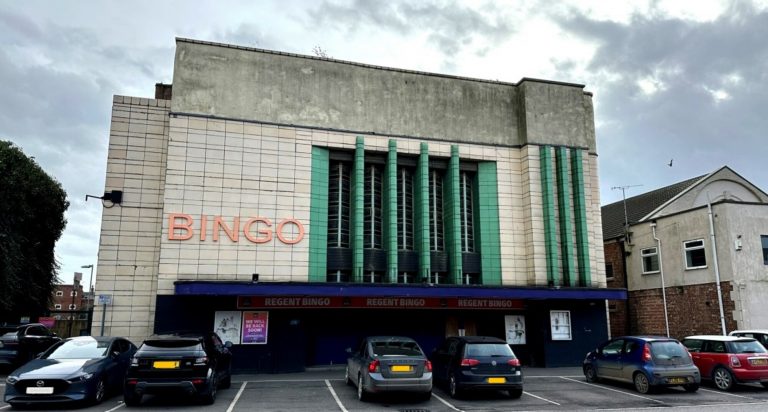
(255, 229)
(247, 302)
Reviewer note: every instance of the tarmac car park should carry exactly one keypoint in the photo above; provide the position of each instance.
(559, 389)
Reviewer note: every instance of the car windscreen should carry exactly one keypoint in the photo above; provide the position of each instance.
(78, 349)
(668, 350)
(749, 346)
(396, 348)
(488, 349)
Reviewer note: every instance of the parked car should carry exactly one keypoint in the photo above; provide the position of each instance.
(760, 335)
(728, 360)
(83, 368)
(389, 363)
(648, 362)
(477, 363)
(24, 343)
(195, 364)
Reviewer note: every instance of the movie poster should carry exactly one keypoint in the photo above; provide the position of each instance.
(255, 326)
(226, 324)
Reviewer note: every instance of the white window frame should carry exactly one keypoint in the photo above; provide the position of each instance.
(72, 306)
(560, 331)
(643, 255)
(73, 293)
(57, 306)
(687, 249)
(59, 293)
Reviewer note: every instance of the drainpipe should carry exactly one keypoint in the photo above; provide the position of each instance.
(717, 268)
(661, 272)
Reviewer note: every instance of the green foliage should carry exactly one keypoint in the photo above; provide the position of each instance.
(32, 206)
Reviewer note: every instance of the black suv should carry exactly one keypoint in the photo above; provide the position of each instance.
(196, 364)
(477, 362)
(24, 343)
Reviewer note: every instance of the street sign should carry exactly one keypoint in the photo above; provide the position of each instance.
(105, 299)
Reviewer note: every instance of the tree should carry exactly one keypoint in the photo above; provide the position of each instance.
(32, 206)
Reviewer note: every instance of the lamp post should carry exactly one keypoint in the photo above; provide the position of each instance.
(91, 297)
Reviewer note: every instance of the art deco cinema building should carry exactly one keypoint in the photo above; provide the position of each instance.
(295, 204)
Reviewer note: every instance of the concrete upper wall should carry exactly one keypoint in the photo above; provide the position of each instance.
(257, 85)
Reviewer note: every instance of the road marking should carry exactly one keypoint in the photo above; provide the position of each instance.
(234, 401)
(539, 397)
(613, 390)
(120, 404)
(292, 380)
(708, 405)
(446, 403)
(333, 392)
(5, 407)
(726, 393)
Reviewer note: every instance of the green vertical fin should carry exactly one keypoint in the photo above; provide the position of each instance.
(452, 205)
(390, 211)
(487, 228)
(548, 204)
(564, 209)
(580, 218)
(421, 212)
(357, 218)
(318, 215)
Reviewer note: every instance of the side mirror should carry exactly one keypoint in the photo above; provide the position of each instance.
(54, 334)
(348, 350)
(114, 354)
(39, 355)
(227, 344)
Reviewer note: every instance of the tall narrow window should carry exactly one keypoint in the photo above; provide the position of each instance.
(695, 255)
(467, 221)
(372, 227)
(338, 205)
(405, 209)
(436, 211)
(764, 241)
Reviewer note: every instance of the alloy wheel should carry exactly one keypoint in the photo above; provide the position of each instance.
(589, 373)
(101, 389)
(453, 390)
(723, 379)
(641, 383)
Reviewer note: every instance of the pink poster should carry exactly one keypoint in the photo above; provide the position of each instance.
(255, 328)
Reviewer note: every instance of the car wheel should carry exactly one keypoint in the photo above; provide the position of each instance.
(590, 373)
(515, 393)
(347, 378)
(362, 395)
(131, 398)
(641, 383)
(100, 391)
(691, 387)
(226, 383)
(723, 379)
(453, 387)
(210, 397)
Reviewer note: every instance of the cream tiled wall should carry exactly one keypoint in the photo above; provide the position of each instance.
(130, 244)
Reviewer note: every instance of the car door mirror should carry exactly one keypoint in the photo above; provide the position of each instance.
(114, 354)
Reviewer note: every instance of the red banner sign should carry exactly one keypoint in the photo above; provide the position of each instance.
(315, 302)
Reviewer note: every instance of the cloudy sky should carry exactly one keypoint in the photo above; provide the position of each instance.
(682, 80)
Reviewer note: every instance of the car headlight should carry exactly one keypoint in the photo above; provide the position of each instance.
(11, 379)
(80, 378)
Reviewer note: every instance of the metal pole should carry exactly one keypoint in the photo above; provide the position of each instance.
(717, 269)
(103, 317)
(661, 272)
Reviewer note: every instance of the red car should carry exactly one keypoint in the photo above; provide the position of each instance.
(728, 360)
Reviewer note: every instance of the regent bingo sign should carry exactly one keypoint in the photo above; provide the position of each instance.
(254, 229)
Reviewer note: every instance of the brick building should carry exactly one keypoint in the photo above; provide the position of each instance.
(666, 236)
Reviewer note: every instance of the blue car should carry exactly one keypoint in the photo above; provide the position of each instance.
(80, 369)
(648, 362)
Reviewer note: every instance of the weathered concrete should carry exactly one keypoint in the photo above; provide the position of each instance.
(259, 85)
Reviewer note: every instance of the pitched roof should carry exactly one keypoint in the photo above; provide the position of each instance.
(639, 206)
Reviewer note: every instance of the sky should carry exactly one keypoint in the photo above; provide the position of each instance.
(674, 82)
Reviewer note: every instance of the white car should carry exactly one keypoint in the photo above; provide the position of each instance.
(761, 335)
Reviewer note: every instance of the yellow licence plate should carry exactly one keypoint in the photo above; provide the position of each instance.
(497, 380)
(759, 362)
(402, 368)
(677, 380)
(165, 364)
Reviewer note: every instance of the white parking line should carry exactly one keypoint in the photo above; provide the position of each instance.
(726, 393)
(120, 404)
(234, 401)
(5, 407)
(292, 380)
(613, 390)
(539, 397)
(333, 392)
(709, 405)
(446, 403)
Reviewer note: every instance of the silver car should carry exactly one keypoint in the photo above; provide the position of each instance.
(389, 364)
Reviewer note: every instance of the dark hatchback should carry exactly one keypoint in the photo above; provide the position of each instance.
(24, 343)
(648, 362)
(477, 362)
(80, 369)
(191, 364)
